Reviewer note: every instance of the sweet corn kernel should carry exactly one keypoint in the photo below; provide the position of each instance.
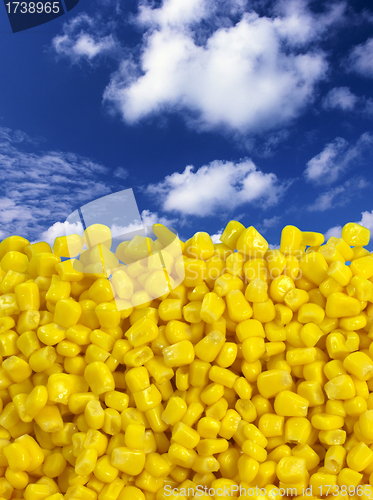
(70, 378)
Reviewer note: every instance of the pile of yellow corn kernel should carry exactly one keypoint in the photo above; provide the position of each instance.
(255, 372)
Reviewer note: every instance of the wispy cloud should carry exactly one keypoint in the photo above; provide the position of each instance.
(39, 188)
(338, 196)
(86, 38)
(360, 59)
(269, 223)
(217, 186)
(121, 173)
(247, 76)
(335, 158)
(340, 98)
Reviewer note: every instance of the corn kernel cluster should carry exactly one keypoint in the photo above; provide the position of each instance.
(256, 370)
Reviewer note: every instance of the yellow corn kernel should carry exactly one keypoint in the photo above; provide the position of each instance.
(249, 328)
(310, 238)
(339, 305)
(209, 347)
(229, 424)
(276, 263)
(310, 334)
(192, 414)
(251, 243)
(105, 470)
(138, 356)
(177, 331)
(36, 400)
(253, 348)
(226, 283)
(246, 409)
(311, 313)
(99, 378)
(227, 355)
(208, 427)
(333, 437)
(94, 414)
(134, 437)
(179, 455)
(239, 308)
(312, 391)
(359, 364)
(174, 411)
(355, 234)
(323, 482)
(359, 457)
(185, 435)
(248, 468)
(340, 387)
(264, 311)
(301, 356)
(17, 456)
(42, 359)
(290, 404)
(16, 368)
(231, 233)
(49, 419)
(327, 422)
(291, 239)
(254, 451)
(212, 307)
(143, 331)
(158, 370)
(305, 451)
(292, 470)
(147, 398)
(341, 273)
(179, 354)
(271, 382)
(234, 264)
(208, 447)
(255, 269)
(349, 477)
(297, 430)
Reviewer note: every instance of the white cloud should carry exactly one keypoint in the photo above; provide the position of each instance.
(366, 221)
(83, 37)
(217, 186)
(268, 223)
(333, 231)
(335, 158)
(246, 76)
(338, 196)
(216, 237)
(61, 229)
(361, 58)
(121, 173)
(340, 97)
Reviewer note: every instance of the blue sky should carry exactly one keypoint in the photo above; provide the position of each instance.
(210, 110)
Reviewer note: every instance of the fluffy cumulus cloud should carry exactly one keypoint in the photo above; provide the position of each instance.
(84, 37)
(361, 58)
(335, 158)
(366, 221)
(218, 186)
(340, 98)
(40, 188)
(223, 65)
